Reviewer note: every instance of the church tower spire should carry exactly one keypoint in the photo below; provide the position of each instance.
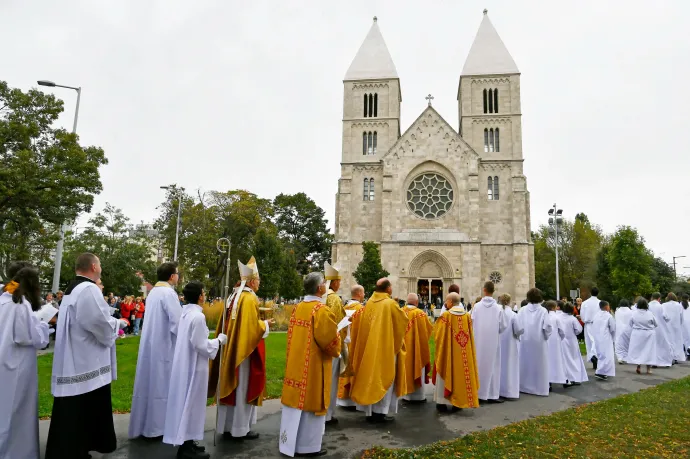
(488, 55)
(373, 61)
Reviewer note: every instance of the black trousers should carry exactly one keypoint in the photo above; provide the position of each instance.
(81, 423)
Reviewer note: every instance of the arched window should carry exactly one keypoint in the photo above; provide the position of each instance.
(371, 189)
(376, 105)
(491, 139)
(371, 105)
(366, 190)
(366, 105)
(370, 143)
(486, 140)
(491, 100)
(496, 143)
(495, 187)
(486, 106)
(496, 101)
(364, 143)
(375, 142)
(489, 188)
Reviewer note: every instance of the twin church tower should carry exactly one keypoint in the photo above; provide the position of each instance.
(446, 205)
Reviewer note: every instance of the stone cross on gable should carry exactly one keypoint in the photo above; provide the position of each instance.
(429, 98)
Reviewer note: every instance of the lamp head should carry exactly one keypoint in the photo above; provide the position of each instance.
(550, 211)
(559, 212)
(46, 83)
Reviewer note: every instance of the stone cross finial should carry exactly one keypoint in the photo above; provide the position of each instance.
(375, 19)
(429, 98)
(486, 11)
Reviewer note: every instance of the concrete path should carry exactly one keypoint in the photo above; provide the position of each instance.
(415, 425)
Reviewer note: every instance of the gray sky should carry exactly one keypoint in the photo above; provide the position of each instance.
(224, 95)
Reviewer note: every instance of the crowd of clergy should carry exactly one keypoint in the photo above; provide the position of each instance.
(358, 356)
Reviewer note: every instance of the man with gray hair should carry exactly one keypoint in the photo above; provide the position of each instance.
(351, 307)
(314, 343)
(418, 356)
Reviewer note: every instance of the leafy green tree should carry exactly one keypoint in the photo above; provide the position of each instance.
(126, 254)
(291, 283)
(370, 268)
(268, 252)
(303, 227)
(46, 177)
(662, 276)
(630, 264)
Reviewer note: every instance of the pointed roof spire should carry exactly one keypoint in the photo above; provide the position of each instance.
(373, 60)
(488, 55)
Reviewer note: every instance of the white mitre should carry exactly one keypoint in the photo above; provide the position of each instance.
(249, 271)
(331, 272)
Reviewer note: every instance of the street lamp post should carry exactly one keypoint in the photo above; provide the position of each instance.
(675, 274)
(61, 242)
(179, 212)
(555, 219)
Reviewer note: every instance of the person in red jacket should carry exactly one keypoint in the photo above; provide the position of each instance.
(139, 309)
(127, 311)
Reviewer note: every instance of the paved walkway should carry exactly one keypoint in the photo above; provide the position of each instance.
(414, 425)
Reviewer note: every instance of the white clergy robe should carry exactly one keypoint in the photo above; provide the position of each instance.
(575, 370)
(186, 411)
(488, 322)
(674, 310)
(534, 350)
(387, 405)
(623, 330)
(589, 308)
(21, 333)
(335, 375)
(238, 419)
(686, 328)
(510, 357)
(642, 347)
(301, 431)
(664, 353)
(604, 333)
(556, 366)
(154, 364)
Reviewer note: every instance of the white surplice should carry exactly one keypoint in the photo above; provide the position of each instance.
(589, 308)
(642, 348)
(664, 352)
(674, 310)
(154, 364)
(488, 322)
(686, 328)
(238, 419)
(301, 432)
(556, 366)
(21, 333)
(186, 411)
(623, 330)
(510, 356)
(335, 375)
(534, 349)
(604, 334)
(575, 370)
(84, 358)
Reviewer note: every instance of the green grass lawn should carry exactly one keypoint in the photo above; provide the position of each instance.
(649, 423)
(127, 351)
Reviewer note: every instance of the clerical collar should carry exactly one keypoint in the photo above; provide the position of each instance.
(77, 280)
(310, 298)
(162, 284)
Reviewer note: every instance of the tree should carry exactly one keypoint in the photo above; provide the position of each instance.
(370, 268)
(268, 252)
(662, 276)
(46, 177)
(291, 283)
(630, 264)
(126, 254)
(303, 228)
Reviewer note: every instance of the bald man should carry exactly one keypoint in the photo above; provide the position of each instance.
(351, 307)
(454, 288)
(378, 355)
(417, 356)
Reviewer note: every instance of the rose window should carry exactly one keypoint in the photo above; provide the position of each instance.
(430, 196)
(495, 277)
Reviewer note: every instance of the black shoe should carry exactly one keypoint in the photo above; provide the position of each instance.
(602, 377)
(332, 422)
(250, 436)
(189, 450)
(198, 447)
(455, 409)
(378, 418)
(441, 408)
(323, 452)
(494, 400)
(576, 384)
(594, 362)
(348, 408)
(550, 388)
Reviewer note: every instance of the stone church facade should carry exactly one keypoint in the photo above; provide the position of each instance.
(446, 206)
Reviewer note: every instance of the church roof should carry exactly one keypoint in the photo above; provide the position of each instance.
(488, 55)
(373, 61)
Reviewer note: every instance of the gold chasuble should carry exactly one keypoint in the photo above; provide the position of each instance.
(312, 343)
(245, 333)
(456, 358)
(417, 335)
(335, 304)
(345, 378)
(378, 337)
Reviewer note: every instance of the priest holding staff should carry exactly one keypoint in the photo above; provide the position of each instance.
(313, 345)
(378, 355)
(335, 305)
(243, 370)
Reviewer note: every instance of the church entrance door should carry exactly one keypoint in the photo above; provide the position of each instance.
(430, 291)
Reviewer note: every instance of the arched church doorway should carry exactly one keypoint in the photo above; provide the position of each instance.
(430, 272)
(430, 291)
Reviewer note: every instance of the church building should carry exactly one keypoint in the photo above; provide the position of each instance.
(445, 205)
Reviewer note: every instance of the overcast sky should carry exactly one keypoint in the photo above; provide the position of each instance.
(222, 95)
